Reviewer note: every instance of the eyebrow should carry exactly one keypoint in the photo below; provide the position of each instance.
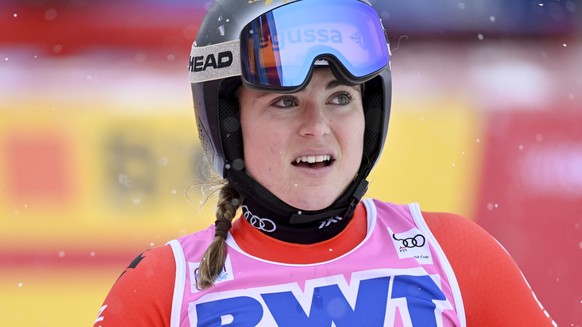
(335, 83)
(332, 84)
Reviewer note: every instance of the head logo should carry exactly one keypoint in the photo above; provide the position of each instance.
(201, 63)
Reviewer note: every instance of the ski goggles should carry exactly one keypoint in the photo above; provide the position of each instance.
(277, 50)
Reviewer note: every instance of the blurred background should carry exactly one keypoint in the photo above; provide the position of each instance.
(99, 157)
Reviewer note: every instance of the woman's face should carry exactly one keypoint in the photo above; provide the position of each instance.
(304, 147)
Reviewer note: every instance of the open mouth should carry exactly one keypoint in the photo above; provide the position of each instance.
(319, 161)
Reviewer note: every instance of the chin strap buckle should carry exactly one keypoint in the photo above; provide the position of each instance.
(344, 212)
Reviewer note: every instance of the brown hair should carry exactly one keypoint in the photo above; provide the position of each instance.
(229, 200)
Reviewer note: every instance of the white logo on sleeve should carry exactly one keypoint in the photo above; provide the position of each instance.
(99, 315)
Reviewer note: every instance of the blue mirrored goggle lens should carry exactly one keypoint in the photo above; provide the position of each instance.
(279, 47)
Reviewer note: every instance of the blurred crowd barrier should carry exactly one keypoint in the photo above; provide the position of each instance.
(99, 156)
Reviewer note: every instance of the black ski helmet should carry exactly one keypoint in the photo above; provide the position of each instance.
(215, 73)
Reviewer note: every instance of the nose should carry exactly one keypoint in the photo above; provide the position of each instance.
(314, 121)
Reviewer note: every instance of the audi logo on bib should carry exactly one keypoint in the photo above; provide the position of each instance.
(411, 242)
(411, 245)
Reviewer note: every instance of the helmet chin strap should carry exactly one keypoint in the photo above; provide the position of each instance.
(289, 224)
(343, 207)
(344, 211)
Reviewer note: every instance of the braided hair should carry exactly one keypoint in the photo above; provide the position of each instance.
(229, 200)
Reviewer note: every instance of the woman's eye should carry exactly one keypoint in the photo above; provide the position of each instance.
(285, 102)
(343, 98)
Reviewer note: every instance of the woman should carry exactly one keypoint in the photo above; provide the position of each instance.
(292, 101)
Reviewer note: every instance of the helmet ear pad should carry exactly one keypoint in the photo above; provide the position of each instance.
(231, 133)
(374, 120)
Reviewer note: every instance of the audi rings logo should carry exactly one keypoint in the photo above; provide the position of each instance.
(417, 241)
(264, 224)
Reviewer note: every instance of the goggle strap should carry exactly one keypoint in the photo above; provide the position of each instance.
(213, 62)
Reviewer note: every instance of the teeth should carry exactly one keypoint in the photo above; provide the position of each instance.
(313, 159)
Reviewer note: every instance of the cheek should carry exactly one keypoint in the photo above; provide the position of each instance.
(353, 144)
(357, 147)
(251, 144)
(262, 148)
(353, 134)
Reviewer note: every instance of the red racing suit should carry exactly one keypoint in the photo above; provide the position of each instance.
(494, 291)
